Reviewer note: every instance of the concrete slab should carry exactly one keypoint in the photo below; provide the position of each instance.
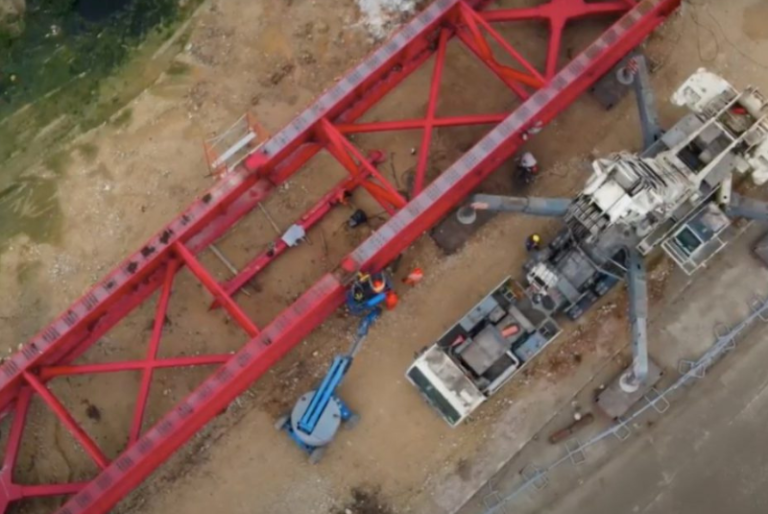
(450, 235)
(608, 91)
(614, 402)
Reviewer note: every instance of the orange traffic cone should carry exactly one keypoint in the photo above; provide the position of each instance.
(414, 277)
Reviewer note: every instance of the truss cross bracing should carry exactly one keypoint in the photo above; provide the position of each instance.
(325, 126)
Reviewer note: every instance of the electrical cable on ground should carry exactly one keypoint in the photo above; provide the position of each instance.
(705, 6)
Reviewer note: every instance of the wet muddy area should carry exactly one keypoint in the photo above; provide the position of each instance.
(70, 66)
(365, 500)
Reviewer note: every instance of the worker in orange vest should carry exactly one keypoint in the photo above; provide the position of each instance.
(369, 290)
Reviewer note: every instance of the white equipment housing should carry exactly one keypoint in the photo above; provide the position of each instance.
(673, 195)
(652, 195)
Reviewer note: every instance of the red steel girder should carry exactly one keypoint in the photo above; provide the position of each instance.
(558, 13)
(475, 22)
(90, 447)
(352, 159)
(139, 365)
(235, 195)
(133, 281)
(309, 219)
(216, 290)
(455, 121)
(471, 28)
(14, 492)
(154, 346)
(429, 120)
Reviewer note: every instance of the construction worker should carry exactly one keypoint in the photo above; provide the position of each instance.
(369, 291)
(527, 169)
(533, 243)
(371, 284)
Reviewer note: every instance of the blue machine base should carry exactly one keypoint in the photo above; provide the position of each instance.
(346, 415)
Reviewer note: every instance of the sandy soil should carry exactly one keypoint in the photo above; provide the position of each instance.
(272, 57)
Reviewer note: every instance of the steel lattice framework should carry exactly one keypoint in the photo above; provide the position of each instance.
(325, 125)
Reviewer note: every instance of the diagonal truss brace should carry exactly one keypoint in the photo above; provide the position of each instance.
(238, 192)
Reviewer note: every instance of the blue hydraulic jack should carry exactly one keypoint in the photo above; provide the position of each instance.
(318, 414)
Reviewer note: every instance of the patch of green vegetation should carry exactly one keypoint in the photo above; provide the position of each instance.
(123, 119)
(58, 162)
(65, 74)
(58, 45)
(31, 206)
(8, 191)
(88, 151)
(61, 63)
(178, 68)
(11, 26)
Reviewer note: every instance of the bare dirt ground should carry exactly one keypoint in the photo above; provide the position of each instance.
(272, 57)
(683, 326)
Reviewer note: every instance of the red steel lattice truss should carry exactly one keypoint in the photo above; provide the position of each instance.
(323, 126)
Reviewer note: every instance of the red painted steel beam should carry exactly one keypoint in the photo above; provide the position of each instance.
(454, 121)
(312, 217)
(237, 193)
(212, 285)
(429, 120)
(475, 25)
(117, 367)
(134, 280)
(352, 159)
(475, 22)
(154, 346)
(90, 447)
(558, 13)
(291, 326)
(574, 9)
(308, 220)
